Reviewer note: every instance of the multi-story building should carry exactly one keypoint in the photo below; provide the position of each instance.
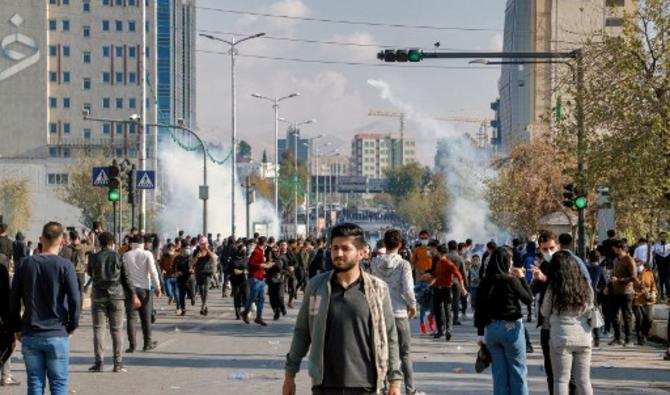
(528, 92)
(292, 142)
(371, 153)
(63, 56)
(333, 165)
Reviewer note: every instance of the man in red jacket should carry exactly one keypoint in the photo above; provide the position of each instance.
(256, 282)
(442, 281)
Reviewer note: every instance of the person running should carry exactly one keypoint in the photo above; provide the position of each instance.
(238, 279)
(256, 282)
(645, 298)
(183, 270)
(442, 280)
(166, 264)
(46, 285)
(347, 316)
(276, 280)
(567, 305)
(422, 262)
(498, 320)
(204, 266)
(142, 272)
(397, 274)
(622, 286)
(111, 286)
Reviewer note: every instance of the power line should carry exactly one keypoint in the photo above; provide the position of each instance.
(327, 42)
(332, 62)
(349, 22)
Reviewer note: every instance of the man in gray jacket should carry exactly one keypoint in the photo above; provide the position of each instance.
(346, 315)
(111, 287)
(397, 274)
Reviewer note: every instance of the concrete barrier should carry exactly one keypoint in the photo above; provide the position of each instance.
(659, 327)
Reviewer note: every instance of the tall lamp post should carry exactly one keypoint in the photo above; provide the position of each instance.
(309, 179)
(296, 138)
(318, 170)
(275, 105)
(233, 51)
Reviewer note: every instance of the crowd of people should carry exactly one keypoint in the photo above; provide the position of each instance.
(358, 300)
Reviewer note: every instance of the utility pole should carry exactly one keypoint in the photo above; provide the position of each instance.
(248, 186)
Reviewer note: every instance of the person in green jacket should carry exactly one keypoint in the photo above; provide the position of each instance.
(346, 315)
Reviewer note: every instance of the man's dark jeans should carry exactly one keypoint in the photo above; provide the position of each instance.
(625, 304)
(146, 298)
(442, 301)
(111, 310)
(342, 391)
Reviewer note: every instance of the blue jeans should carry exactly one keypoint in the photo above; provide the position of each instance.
(50, 356)
(256, 295)
(507, 344)
(172, 290)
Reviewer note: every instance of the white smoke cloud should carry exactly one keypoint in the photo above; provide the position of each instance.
(182, 175)
(466, 170)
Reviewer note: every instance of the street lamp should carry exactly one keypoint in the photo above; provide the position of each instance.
(318, 150)
(275, 105)
(233, 51)
(309, 179)
(136, 119)
(296, 137)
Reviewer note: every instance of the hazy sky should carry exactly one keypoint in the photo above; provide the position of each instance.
(338, 96)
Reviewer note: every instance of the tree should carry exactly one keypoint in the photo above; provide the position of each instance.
(402, 180)
(243, 151)
(414, 209)
(527, 187)
(82, 194)
(627, 118)
(291, 182)
(15, 203)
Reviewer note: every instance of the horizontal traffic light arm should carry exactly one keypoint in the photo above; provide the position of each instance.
(385, 55)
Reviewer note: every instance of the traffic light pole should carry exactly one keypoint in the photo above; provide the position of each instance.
(416, 55)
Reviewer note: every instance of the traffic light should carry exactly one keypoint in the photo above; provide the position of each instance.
(400, 55)
(114, 183)
(568, 195)
(580, 202)
(130, 186)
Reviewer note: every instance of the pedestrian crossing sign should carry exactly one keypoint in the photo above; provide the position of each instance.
(100, 177)
(145, 179)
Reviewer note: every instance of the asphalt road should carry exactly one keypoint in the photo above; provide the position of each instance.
(219, 355)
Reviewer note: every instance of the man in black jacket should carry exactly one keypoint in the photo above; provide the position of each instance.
(7, 342)
(111, 285)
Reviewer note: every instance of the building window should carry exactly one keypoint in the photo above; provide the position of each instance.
(66, 153)
(53, 152)
(105, 2)
(106, 128)
(131, 128)
(66, 76)
(53, 102)
(119, 2)
(105, 102)
(87, 57)
(87, 83)
(52, 24)
(119, 103)
(53, 127)
(87, 6)
(131, 3)
(132, 77)
(53, 76)
(87, 31)
(66, 2)
(132, 152)
(66, 51)
(53, 51)
(614, 22)
(131, 26)
(105, 25)
(66, 102)
(105, 51)
(132, 103)
(119, 77)
(66, 25)
(52, 2)
(131, 52)
(105, 76)
(66, 128)
(57, 179)
(119, 26)
(87, 134)
(119, 128)
(87, 106)
(119, 52)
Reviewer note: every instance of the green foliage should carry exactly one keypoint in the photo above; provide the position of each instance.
(402, 180)
(82, 194)
(15, 203)
(291, 182)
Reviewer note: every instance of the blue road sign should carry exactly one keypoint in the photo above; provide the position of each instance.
(100, 177)
(145, 179)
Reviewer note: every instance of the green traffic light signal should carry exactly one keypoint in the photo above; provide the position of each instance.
(114, 195)
(414, 55)
(580, 202)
